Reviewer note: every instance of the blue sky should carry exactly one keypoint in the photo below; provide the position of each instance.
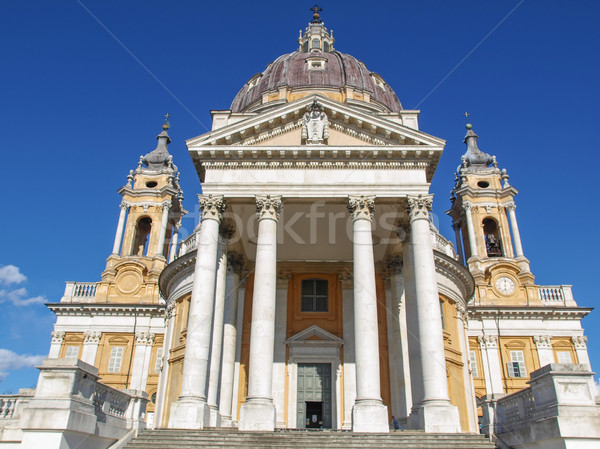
(79, 109)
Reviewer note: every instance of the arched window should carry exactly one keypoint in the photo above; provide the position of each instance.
(316, 43)
(326, 46)
(142, 231)
(305, 47)
(491, 233)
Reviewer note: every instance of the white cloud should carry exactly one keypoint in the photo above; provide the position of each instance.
(19, 297)
(9, 274)
(10, 360)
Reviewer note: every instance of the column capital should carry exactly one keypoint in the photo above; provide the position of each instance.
(166, 205)
(144, 338)
(467, 205)
(57, 336)
(456, 225)
(123, 205)
(579, 341)
(488, 341)
(346, 279)
(510, 207)
(227, 228)
(235, 262)
(268, 206)
(461, 312)
(394, 265)
(542, 341)
(92, 337)
(419, 206)
(212, 206)
(169, 311)
(361, 207)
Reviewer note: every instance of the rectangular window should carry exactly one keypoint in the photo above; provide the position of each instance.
(564, 357)
(159, 357)
(516, 366)
(442, 315)
(72, 352)
(315, 295)
(116, 357)
(473, 362)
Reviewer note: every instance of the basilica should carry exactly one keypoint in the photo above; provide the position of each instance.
(316, 293)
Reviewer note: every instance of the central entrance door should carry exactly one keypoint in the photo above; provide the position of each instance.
(314, 396)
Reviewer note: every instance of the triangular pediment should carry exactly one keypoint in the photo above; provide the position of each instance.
(314, 335)
(349, 126)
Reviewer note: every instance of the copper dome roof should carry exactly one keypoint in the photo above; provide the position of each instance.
(339, 71)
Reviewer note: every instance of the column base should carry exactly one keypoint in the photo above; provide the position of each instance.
(438, 416)
(370, 415)
(214, 419)
(257, 415)
(226, 421)
(189, 413)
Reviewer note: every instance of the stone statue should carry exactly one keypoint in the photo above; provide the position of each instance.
(315, 126)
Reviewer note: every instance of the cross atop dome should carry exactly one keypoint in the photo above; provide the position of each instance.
(316, 37)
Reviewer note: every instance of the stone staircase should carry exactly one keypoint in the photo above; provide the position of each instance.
(291, 439)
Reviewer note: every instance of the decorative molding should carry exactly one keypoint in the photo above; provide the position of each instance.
(580, 341)
(300, 164)
(144, 338)
(419, 206)
(94, 310)
(527, 313)
(268, 206)
(92, 337)
(488, 341)
(361, 207)
(57, 336)
(542, 341)
(212, 206)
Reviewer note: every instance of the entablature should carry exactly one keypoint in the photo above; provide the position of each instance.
(525, 313)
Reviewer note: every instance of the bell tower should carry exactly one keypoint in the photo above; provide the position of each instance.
(147, 230)
(485, 223)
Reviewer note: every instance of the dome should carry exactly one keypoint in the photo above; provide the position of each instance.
(316, 66)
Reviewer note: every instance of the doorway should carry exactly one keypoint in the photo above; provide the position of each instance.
(314, 396)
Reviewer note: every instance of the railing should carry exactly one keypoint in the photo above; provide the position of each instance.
(516, 407)
(189, 244)
(556, 295)
(79, 291)
(12, 404)
(442, 244)
(109, 401)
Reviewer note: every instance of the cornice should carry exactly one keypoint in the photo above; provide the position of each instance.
(527, 312)
(175, 269)
(107, 309)
(450, 268)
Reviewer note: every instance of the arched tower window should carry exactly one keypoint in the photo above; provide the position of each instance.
(491, 234)
(142, 231)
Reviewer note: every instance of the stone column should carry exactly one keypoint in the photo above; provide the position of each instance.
(159, 419)
(369, 414)
(191, 410)
(347, 282)
(120, 226)
(462, 324)
(492, 370)
(515, 230)
(91, 340)
(57, 340)
(544, 349)
(459, 248)
(412, 330)
(258, 412)
(160, 246)
(279, 348)
(470, 229)
(174, 240)
(226, 232)
(397, 341)
(580, 343)
(235, 264)
(141, 360)
(436, 414)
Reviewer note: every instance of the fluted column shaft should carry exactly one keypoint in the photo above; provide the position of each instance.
(120, 228)
(258, 412)
(369, 413)
(191, 411)
(436, 413)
